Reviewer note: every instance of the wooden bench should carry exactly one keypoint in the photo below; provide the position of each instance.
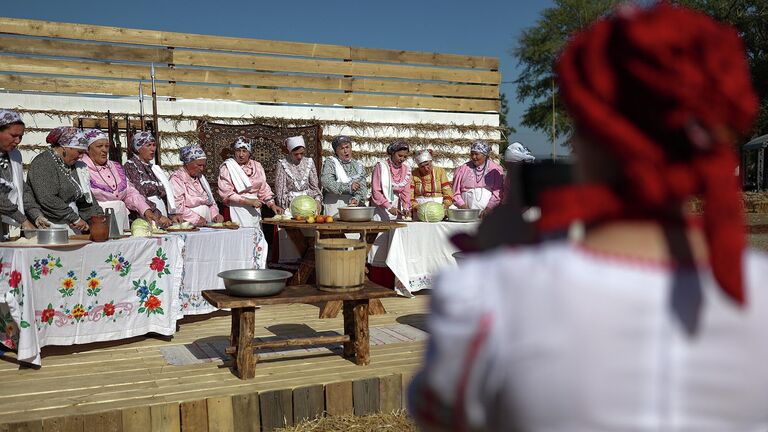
(355, 309)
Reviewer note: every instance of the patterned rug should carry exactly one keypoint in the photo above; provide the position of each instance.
(212, 349)
(216, 139)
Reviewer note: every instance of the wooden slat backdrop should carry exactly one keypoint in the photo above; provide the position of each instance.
(94, 59)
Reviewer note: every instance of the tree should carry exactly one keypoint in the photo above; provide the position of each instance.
(507, 130)
(538, 47)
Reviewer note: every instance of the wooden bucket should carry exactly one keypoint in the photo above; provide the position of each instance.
(340, 264)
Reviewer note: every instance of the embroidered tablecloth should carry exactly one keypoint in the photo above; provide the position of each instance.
(116, 289)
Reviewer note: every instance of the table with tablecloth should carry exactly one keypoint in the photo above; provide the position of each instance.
(116, 289)
(417, 252)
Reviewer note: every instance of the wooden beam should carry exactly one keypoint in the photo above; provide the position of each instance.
(189, 91)
(220, 414)
(334, 67)
(308, 403)
(166, 417)
(105, 69)
(183, 40)
(194, 416)
(365, 394)
(246, 411)
(338, 398)
(319, 340)
(276, 409)
(83, 50)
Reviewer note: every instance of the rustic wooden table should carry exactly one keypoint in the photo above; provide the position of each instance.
(306, 247)
(355, 305)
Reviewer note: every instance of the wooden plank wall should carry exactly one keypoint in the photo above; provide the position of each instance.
(256, 412)
(53, 57)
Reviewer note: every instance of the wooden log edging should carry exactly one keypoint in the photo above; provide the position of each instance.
(255, 411)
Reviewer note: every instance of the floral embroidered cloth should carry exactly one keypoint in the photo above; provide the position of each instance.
(116, 289)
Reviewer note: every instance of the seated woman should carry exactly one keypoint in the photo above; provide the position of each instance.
(243, 186)
(296, 175)
(148, 178)
(56, 193)
(430, 183)
(478, 183)
(343, 178)
(110, 186)
(391, 184)
(657, 321)
(191, 191)
(11, 173)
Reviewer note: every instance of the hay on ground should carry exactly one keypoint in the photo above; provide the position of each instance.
(397, 421)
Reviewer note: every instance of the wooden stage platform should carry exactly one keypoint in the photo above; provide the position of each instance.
(130, 385)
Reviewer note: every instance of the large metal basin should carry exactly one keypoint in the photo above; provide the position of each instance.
(254, 282)
(463, 215)
(356, 214)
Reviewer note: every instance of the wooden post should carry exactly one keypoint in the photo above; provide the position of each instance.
(234, 332)
(349, 330)
(245, 408)
(361, 341)
(245, 363)
(365, 394)
(338, 398)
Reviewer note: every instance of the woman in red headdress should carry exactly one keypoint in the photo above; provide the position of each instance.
(657, 320)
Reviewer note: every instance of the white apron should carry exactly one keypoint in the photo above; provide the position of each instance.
(70, 231)
(17, 185)
(245, 215)
(332, 201)
(381, 214)
(477, 198)
(121, 213)
(159, 203)
(203, 211)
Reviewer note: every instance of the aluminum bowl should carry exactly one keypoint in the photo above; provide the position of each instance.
(30, 233)
(356, 214)
(463, 215)
(254, 282)
(52, 236)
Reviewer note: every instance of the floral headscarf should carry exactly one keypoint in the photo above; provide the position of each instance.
(76, 140)
(60, 135)
(339, 140)
(191, 153)
(243, 142)
(396, 147)
(423, 156)
(481, 147)
(9, 117)
(140, 139)
(93, 135)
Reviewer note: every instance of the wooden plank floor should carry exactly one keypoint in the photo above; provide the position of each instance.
(87, 379)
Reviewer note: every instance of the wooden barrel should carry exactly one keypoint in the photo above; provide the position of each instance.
(340, 264)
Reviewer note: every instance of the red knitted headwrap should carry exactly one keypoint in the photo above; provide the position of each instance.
(663, 91)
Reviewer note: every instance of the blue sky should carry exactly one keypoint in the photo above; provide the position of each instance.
(451, 26)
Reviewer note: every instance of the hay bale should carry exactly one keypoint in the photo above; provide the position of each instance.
(396, 421)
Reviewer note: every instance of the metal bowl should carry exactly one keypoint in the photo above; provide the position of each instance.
(254, 282)
(356, 214)
(463, 215)
(30, 233)
(52, 236)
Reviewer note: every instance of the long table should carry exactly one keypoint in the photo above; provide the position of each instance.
(116, 289)
(417, 252)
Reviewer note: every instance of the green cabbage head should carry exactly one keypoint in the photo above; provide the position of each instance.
(431, 212)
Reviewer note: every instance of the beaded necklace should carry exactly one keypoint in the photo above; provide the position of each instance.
(98, 171)
(66, 170)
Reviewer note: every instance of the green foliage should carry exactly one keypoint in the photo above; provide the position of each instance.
(538, 47)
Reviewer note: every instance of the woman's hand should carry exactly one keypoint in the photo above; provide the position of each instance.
(256, 203)
(163, 222)
(80, 224)
(201, 221)
(484, 213)
(27, 225)
(354, 186)
(353, 202)
(42, 222)
(218, 219)
(177, 219)
(393, 211)
(277, 209)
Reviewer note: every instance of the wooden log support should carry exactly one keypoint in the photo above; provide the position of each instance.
(338, 398)
(194, 416)
(29, 426)
(220, 414)
(308, 403)
(362, 336)
(234, 332)
(138, 419)
(329, 309)
(349, 329)
(276, 409)
(245, 408)
(245, 363)
(365, 394)
(166, 417)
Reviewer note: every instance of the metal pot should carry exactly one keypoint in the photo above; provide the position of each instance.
(356, 214)
(254, 282)
(463, 215)
(52, 236)
(29, 233)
